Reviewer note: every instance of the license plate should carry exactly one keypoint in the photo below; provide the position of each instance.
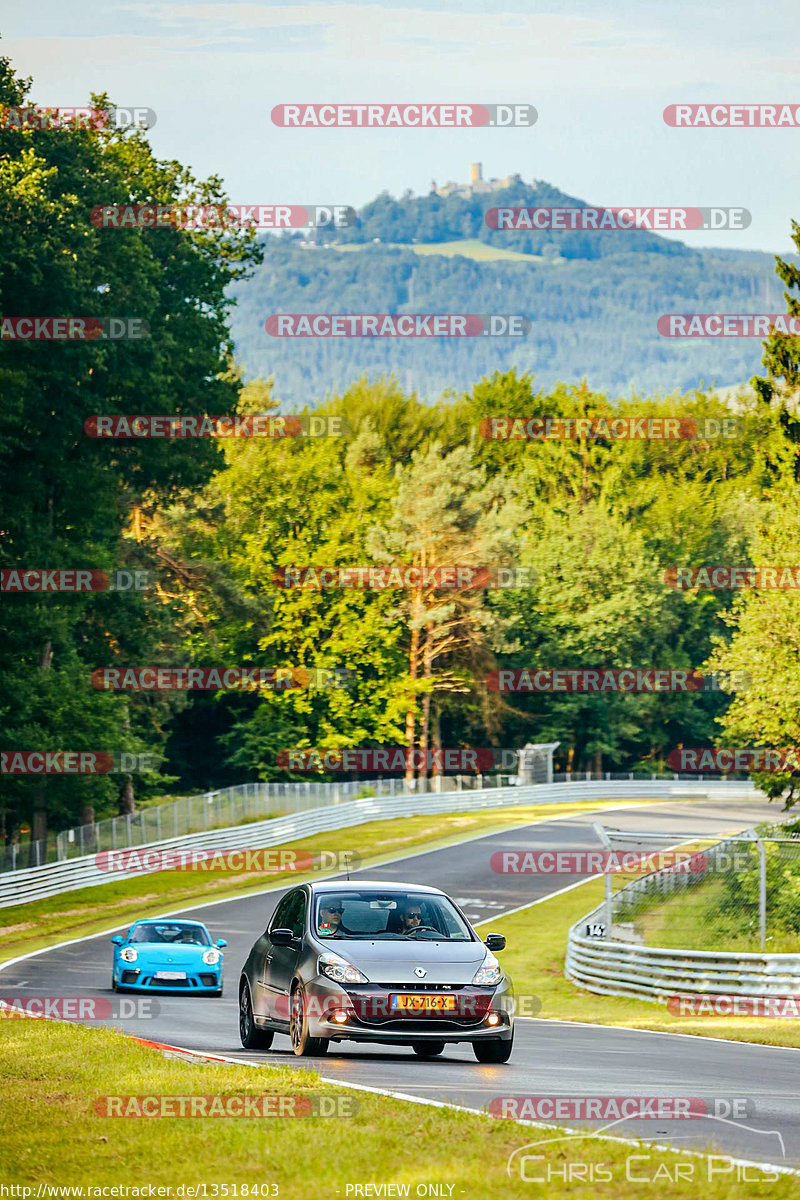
(423, 1002)
(170, 975)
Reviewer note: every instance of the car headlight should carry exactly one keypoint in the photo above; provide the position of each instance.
(211, 957)
(128, 954)
(339, 969)
(488, 974)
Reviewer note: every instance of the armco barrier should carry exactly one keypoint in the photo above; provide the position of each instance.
(617, 968)
(654, 973)
(35, 883)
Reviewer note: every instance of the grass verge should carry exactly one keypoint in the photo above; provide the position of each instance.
(40, 923)
(51, 1134)
(537, 939)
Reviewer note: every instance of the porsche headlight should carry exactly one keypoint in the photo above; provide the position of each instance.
(211, 957)
(339, 969)
(128, 954)
(489, 973)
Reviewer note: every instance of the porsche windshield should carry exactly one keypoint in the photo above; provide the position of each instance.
(399, 916)
(172, 932)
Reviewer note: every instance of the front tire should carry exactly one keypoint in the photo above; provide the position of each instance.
(251, 1037)
(427, 1049)
(303, 1044)
(493, 1051)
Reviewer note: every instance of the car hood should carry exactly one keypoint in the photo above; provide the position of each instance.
(154, 952)
(395, 962)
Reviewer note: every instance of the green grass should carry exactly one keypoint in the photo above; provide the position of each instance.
(537, 939)
(51, 1133)
(39, 923)
(703, 922)
(468, 248)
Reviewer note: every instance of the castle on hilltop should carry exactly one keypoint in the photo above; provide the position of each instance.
(477, 184)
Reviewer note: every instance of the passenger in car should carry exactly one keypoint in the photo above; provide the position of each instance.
(330, 920)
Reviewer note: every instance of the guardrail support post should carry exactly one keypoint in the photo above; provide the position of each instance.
(762, 892)
(607, 883)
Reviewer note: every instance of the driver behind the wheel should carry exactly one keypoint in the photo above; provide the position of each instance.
(410, 916)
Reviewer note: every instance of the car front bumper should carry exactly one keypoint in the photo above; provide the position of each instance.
(131, 978)
(480, 1014)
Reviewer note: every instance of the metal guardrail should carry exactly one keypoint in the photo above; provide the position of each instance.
(653, 973)
(620, 968)
(257, 801)
(52, 879)
(215, 810)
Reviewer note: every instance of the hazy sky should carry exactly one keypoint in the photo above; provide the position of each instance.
(600, 81)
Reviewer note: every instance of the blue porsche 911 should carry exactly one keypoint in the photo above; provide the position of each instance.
(167, 956)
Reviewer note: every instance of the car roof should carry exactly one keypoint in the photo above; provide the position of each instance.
(381, 884)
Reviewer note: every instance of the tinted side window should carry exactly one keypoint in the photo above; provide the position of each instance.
(279, 918)
(297, 915)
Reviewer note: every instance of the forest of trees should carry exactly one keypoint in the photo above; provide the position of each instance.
(434, 218)
(590, 318)
(411, 483)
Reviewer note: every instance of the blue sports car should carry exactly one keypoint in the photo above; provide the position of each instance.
(167, 955)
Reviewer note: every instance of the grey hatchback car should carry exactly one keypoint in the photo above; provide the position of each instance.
(393, 963)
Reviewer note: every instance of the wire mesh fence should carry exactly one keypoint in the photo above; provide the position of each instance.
(218, 810)
(742, 893)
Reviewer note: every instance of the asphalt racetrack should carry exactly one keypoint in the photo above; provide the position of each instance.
(550, 1058)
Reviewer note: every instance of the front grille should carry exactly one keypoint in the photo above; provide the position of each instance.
(432, 1024)
(208, 980)
(129, 976)
(171, 983)
(372, 1007)
(422, 987)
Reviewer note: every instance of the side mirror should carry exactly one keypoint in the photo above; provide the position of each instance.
(221, 942)
(281, 937)
(495, 942)
(117, 940)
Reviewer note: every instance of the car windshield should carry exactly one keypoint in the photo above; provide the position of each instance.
(172, 932)
(406, 916)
